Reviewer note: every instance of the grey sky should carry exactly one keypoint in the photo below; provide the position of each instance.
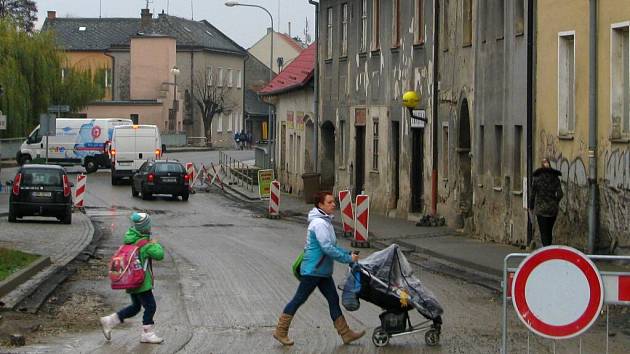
(244, 25)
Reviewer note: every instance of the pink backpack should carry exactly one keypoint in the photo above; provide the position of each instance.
(125, 269)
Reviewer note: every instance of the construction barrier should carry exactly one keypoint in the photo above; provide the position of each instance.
(190, 171)
(80, 190)
(347, 212)
(274, 200)
(361, 221)
(204, 179)
(558, 292)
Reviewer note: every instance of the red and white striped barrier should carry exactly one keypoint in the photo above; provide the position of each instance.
(616, 288)
(347, 213)
(274, 200)
(190, 171)
(80, 190)
(361, 221)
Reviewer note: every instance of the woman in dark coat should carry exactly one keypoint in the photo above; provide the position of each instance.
(546, 193)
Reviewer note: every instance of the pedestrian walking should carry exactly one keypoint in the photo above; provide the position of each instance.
(316, 271)
(149, 249)
(546, 194)
(237, 138)
(243, 138)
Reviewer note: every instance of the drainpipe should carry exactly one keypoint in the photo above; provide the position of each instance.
(593, 216)
(530, 112)
(316, 88)
(434, 104)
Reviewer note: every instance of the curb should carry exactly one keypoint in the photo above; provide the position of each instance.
(20, 277)
(29, 292)
(239, 193)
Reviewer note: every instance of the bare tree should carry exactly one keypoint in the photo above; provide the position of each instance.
(211, 97)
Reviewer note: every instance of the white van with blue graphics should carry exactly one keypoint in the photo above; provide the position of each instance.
(78, 141)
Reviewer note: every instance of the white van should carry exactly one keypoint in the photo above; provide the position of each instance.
(78, 141)
(131, 146)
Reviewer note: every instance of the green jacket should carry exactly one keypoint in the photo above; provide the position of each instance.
(149, 251)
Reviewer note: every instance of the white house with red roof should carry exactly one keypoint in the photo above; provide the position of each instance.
(285, 49)
(293, 95)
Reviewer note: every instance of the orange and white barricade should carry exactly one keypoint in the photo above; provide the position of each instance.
(347, 212)
(361, 221)
(80, 190)
(190, 171)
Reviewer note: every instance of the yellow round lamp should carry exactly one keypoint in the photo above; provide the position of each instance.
(411, 99)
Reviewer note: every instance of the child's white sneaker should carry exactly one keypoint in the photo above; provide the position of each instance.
(108, 323)
(149, 336)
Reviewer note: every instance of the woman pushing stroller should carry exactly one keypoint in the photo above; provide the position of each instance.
(316, 271)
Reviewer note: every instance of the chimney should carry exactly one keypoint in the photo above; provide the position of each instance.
(52, 15)
(269, 30)
(146, 20)
(290, 29)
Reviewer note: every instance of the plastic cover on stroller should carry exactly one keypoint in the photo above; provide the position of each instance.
(387, 274)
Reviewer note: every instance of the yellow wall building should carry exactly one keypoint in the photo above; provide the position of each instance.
(562, 115)
(98, 63)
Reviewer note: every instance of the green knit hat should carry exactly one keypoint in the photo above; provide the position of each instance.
(141, 222)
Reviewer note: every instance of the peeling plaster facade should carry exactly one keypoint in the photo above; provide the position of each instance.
(568, 150)
(364, 87)
(482, 82)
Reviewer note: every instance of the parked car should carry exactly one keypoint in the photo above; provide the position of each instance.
(41, 190)
(161, 177)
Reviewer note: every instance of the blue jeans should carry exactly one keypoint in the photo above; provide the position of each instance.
(326, 286)
(145, 300)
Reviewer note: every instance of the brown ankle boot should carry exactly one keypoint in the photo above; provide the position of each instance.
(282, 329)
(347, 335)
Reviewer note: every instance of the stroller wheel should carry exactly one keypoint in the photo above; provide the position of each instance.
(380, 338)
(432, 337)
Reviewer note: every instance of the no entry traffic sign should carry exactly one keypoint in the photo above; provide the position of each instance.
(557, 292)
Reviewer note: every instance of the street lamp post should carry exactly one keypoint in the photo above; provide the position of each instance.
(173, 117)
(269, 118)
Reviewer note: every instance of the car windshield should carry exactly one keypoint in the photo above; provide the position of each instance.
(41, 177)
(168, 167)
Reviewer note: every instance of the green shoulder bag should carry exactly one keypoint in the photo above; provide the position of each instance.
(297, 264)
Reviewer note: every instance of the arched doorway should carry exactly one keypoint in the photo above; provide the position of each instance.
(309, 158)
(328, 156)
(465, 162)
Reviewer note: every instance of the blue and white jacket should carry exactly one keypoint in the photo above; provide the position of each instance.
(321, 242)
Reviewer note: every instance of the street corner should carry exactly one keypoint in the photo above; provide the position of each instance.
(55, 244)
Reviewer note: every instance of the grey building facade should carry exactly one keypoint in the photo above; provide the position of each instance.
(371, 52)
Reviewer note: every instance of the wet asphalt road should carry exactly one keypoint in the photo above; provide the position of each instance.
(226, 278)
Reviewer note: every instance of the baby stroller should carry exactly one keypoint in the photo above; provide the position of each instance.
(385, 279)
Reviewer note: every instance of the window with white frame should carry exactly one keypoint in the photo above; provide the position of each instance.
(230, 82)
(329, 33)
(344, 29)
(395, 23)
(620, 80)
(375, 139)
(209, 75)
(364, 24)
(220, 77)
(108, 77)
(239, 79)
(376, 24)
(219, 120)
(419, 22)
(566, 83)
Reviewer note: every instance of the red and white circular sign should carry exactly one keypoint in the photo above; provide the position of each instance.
(557, 292)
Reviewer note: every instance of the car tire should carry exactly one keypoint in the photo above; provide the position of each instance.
(67, 219)
(24, 159)
(12, 216)
(134, 192)
(114, 180)
(185, 196)
(145, 195)
(90, 165)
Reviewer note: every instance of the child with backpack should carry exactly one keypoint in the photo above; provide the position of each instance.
(130, 269)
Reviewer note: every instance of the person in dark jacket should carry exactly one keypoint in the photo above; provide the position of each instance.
(546, 194)
(320, 252)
